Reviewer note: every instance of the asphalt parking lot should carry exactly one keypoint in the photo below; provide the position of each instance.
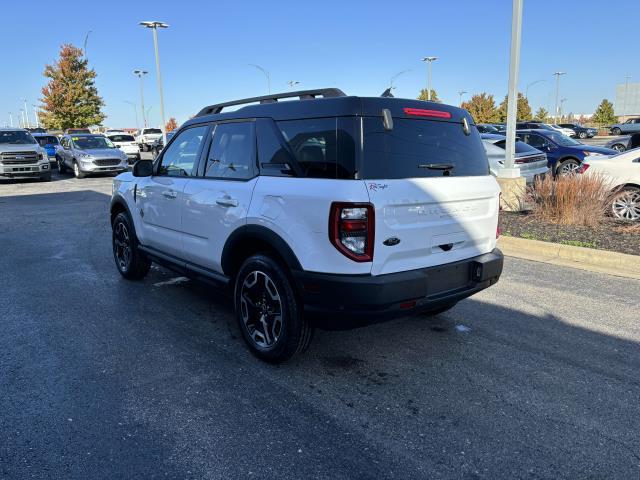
(105, 378)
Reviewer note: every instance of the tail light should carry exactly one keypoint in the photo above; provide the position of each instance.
(583, 168)
(351, 230)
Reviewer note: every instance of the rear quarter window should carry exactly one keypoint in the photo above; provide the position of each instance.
(404, 151)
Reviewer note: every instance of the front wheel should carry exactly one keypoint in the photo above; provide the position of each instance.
(625, 204)
(616, 131)
(77, 172)
(582, 135)
(568, 167)
(131, 263)
(62, 168)
(268, 312)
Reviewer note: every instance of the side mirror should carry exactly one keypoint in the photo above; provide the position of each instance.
(143, 168)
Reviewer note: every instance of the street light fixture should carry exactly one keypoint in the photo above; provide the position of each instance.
(155, 25)
(557, 74)
(24, 123)
(266, 74)
(293, 83)
(526, 90)
(511, 170)
(429, 61)
(461, 93)
(396, 76)
(140, 74)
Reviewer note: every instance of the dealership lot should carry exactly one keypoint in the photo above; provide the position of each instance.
(100, 377)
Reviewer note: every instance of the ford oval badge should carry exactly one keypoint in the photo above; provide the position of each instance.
(390, 242)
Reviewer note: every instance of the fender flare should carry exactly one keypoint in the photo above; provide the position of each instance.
(257, 232)
(118, 199)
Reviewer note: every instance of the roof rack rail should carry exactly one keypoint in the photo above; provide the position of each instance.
(301, 94)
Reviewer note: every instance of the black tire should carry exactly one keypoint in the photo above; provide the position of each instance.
(284, 331)
(582, 135)
(625, 204)
(76, 170)
(616, 131)
(134, 265)
(618, 147)
(46, 177)
(568, 167)
(62, 168)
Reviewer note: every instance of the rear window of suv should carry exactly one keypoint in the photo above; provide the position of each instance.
(411, 146)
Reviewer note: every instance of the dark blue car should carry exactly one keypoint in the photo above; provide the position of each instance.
(565, 155)
(49, 143)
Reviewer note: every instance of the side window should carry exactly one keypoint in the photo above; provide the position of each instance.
(536, 141)
(273, 157)
(179, 157)
(232, 152)
(323, 147)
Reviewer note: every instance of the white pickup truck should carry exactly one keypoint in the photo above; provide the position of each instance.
(146, 137)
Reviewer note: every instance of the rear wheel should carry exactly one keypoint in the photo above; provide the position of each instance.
(618, 147)
(131, 263)
(625, 204)
(568, 167)
(616, 131)
(268, 312)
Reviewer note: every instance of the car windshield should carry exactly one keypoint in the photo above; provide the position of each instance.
(44, 141)
(16, 137)
(147, 131)
(563, 140)
(92, 143)
(121, 138)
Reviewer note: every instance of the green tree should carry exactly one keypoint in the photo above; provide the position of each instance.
(541, 114)
(482, 108)
(524, 110)
(604, 113)
(423, 95)
(70, 98)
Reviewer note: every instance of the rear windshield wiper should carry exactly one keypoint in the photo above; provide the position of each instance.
(437, 166)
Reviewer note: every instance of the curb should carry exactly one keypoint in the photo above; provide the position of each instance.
(601, 261)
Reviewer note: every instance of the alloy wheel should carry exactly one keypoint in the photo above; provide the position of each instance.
(569, 168)
(619, 148)
(76, 169)
(626, 205)
(122, 246)
(261, 309)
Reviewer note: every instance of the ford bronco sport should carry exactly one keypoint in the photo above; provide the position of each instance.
(329, 206)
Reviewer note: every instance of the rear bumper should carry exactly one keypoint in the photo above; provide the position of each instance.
(395, 294)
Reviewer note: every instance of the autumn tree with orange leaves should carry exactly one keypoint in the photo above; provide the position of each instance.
(171, 125)
(70, 98)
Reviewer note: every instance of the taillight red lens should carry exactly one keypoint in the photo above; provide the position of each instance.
(421, 112)
(583, 168)
(351, 230)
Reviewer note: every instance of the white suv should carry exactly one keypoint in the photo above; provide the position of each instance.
(328, 208)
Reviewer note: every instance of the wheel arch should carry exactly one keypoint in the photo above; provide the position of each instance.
(119, 205)
(251, 239)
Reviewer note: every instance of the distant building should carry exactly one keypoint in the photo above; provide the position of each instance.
(627, 102)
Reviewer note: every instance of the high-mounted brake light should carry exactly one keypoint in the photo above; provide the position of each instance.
(421, 112)
(351, 230)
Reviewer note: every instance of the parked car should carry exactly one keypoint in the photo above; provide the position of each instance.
(501, 127)
(158, 144)
(619, 144)
(565, 131)
(543, 126)
(49, 143)
(487, 128)
(113, 131)
(342, 207)
(630, 126)
(623, 172)
(565, 154)
(126, 143)
(531, 161)
(146, 137)
(88, 154)
(21, 156)
(580, 131)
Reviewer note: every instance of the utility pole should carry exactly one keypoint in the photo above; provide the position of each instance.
(11, 118)
(24, 123)
(510, 170)
(26, 114)
(461, 92)
(624, 101)
(429, 61)
(35, 114)
(557, 74)
(154, 26)
(140, 74)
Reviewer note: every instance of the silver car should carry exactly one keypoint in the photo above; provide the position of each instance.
(531, 161)
(88, 153)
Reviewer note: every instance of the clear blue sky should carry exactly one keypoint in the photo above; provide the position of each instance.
(354, 45)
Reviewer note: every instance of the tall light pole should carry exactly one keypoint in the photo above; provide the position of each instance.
(531, 84)
(429, 61)
(396, 76)
(624, 101)
(135, 111)
(562, 100)
(461, 93)
(155, 25)
(26, 114)
(510, 170)
(266, 74)
(24, 123)
(557, 74)
(35, 114)
(11, 118)
(84, 45)
(293, 83)
(140, 74)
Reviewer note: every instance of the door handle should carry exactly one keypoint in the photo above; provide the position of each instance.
(227, 201)
(169, 194)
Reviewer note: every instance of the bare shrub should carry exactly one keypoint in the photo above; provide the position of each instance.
(580, 199)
